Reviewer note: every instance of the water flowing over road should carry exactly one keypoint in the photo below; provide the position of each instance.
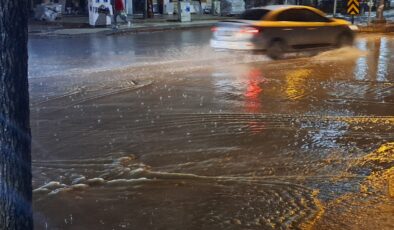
(158, 131)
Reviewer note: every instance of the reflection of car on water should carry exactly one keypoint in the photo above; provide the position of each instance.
(281, 28)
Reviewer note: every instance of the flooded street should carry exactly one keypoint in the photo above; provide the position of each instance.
(158, 131)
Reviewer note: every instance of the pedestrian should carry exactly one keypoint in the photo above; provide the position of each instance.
(363, 7)
(119, 10)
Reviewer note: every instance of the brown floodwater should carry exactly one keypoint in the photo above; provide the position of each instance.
(218, 140)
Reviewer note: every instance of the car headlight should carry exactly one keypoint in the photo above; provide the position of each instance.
(353, 27)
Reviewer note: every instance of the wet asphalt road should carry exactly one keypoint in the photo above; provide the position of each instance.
(169, 134)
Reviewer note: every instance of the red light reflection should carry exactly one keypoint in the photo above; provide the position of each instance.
(254, 90)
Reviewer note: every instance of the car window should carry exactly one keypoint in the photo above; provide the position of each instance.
(310, 16)
(301, 15)
(289, 15)
(255, 14)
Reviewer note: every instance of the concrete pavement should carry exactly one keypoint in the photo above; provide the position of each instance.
(78, 25)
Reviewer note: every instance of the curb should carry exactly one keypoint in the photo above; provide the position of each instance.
(370, 29)
(158, 28)
(377, 28)
(131, 30)
(386, 28)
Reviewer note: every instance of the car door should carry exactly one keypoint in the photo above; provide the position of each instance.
(321, 31)
(293, 28)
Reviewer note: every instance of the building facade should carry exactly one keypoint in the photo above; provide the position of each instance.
(138, 6)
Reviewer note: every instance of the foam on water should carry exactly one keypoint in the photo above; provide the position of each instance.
(121, 181)
(207, 198)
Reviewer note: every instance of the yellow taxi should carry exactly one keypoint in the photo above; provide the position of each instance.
(282, 28)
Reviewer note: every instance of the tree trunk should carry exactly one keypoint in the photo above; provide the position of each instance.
(379, 11)
(150, 9)
(15, 137)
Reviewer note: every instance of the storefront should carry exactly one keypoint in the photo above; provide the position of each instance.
(77, 7)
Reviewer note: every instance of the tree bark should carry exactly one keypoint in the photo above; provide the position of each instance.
(150, 9)
(15, 137)
(379, 11)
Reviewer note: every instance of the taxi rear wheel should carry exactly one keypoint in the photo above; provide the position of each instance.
(276, 49)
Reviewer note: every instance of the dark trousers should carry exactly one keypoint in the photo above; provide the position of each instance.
(122, 16)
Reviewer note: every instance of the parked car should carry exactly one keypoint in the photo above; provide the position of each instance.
(278, 29)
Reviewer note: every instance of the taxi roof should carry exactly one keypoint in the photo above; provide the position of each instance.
(275, 9)
(281, 7)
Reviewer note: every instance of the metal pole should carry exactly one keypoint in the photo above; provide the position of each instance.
(335, 8)
(145, 9)
(370, 4)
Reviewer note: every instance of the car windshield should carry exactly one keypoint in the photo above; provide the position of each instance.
(255, 14)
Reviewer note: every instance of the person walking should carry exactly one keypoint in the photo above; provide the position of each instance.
(119, 10)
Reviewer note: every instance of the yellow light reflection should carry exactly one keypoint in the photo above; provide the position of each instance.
(295, 87)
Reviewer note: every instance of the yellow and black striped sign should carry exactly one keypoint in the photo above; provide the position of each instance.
(353, 7)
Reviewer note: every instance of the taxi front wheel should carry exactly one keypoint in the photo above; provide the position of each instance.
(344, 40)
(276, 49)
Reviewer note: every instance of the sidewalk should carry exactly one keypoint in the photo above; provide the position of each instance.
(78, 25)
